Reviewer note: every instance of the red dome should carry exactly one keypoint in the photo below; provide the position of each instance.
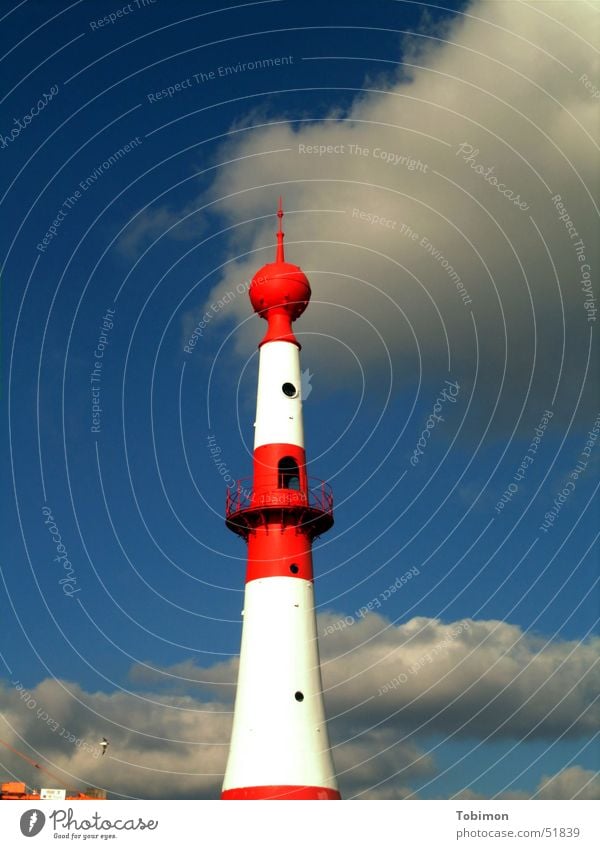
(280, 284)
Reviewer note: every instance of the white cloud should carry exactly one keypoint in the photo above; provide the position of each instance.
(471, 678)
(374, 765)
(475, 679)
(574, 782)
(506, 81)
(160, 746)
(571, 783)
(147, 225)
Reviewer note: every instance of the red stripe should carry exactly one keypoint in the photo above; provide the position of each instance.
(281, 791)
(266, 460)
(278, 548)
(278, 551)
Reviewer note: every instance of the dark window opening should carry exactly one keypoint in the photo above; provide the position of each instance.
(289, 389)
(294, 569)
(299, 696)
(288, 474)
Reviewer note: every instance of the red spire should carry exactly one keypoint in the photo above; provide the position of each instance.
(279, 256)
(280, 292)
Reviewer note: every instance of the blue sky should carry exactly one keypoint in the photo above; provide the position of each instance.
(139, 642)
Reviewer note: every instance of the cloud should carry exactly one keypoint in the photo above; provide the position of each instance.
(493, 288)
(469, 679)
(160, 746)
(146, 226)
(218, 679)
(154, 222)
(571, 783)
(376, 765)
(389, 689)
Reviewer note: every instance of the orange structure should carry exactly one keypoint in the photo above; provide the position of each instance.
(16, 790)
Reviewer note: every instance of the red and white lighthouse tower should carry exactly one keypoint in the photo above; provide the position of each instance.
(279, 742)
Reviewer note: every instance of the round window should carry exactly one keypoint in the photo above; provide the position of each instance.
(289, 389)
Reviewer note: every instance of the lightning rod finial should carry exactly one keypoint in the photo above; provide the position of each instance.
(280, 257)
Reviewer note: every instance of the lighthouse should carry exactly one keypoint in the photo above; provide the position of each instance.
(279, 742)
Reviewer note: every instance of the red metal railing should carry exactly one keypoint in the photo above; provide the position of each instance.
(242, 496)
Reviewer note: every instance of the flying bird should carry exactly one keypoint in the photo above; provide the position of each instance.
(105, 744)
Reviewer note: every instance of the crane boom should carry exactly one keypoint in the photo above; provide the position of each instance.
(32, 762)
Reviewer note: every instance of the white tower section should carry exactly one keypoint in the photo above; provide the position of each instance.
(279, 734)
(279, 415)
